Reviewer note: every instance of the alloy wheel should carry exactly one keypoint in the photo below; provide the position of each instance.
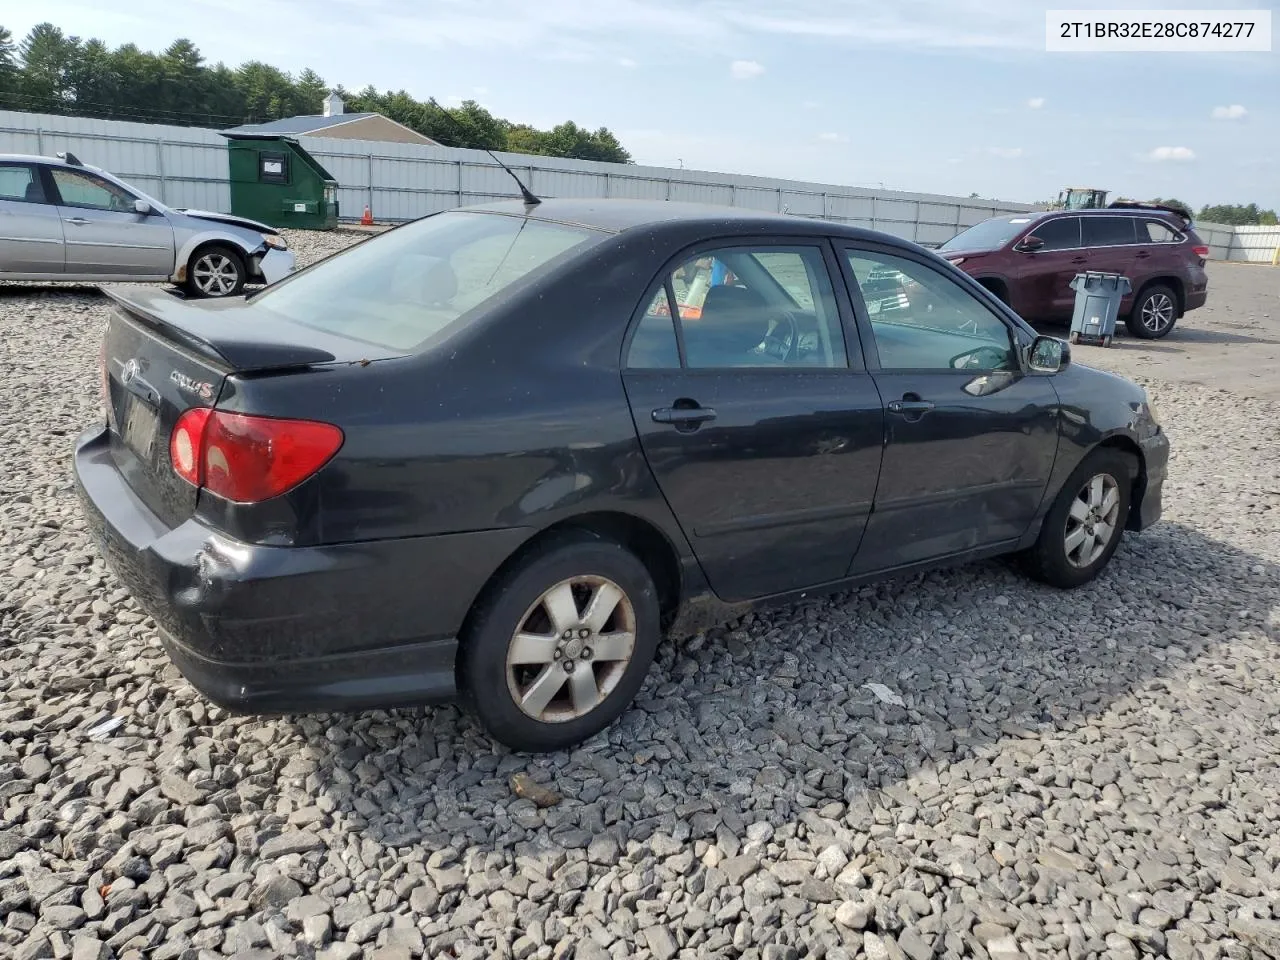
(1157, 312)
(215, 274)
(571, 649)
(1092, 520)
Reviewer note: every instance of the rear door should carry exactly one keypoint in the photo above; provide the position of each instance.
(970, 439)
(1043, 286)
(30, 227)
(756, 413)
(104, 234)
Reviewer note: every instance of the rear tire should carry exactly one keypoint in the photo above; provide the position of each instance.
(216, 271)
(559, 646)
(1086, 522)
(1154, 313)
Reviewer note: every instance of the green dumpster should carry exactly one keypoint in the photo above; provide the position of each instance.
(276, 182)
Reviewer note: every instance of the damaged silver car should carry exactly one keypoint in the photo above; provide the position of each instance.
(61, 219)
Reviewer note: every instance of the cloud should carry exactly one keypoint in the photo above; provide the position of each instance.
(810, 104)
(833, 138)
(1006, 153)
(1233, 112)
(1176, 154)
(627, 62)
(745, 69)
(1035, 103)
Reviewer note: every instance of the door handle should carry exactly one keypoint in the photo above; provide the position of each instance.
(78, 221)
(1079, 259)
(910, 406)
(1141, 255)
(683, 416)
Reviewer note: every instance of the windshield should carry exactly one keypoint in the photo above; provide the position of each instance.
(988, 235)
(402, 288)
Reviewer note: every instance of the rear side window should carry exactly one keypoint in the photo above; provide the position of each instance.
(402, 288)
(1060, 234)
(1153, 231)
(1108, 231)
(18, 181)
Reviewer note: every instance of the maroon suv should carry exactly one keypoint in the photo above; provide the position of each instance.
(1029, 259)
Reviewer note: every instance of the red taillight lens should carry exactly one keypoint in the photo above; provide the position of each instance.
(1201, 252)
(246, 458)
(186, 443)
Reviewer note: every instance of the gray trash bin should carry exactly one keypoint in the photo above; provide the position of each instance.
(1098, 297)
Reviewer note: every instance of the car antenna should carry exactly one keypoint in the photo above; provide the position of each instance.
(70, 157)
(529, 199)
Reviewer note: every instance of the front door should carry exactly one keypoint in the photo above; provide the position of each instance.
(1042, 287)
(104, 234)
(30, 228)
(970, 439)
(757, 415)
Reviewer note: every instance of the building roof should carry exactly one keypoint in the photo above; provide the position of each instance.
(309, 124)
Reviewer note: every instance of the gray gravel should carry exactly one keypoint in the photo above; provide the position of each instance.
(1087, 774)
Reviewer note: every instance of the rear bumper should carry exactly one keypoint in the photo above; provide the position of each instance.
(1155, 457)
(291, 629)
(1195, 299)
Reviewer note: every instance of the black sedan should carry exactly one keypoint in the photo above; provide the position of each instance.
(501, 452)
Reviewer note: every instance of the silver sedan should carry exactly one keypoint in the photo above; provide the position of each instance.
(61, 219)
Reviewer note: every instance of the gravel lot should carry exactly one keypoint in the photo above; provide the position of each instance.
(1081, 774)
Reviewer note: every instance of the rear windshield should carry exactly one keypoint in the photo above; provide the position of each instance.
(988, 235)
(402, 288)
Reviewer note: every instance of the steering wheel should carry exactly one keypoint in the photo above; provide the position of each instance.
(783, 339)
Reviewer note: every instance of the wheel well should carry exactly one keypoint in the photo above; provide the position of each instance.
(1138, 481)
(224, 244)
(1173, 283)
(996, 286)
(642, 538)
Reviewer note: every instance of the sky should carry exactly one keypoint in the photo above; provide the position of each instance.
(938, 96)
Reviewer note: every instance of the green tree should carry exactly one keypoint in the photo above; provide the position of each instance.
(1238, 215)
(54, 72)
(8, 62)
(47, 55)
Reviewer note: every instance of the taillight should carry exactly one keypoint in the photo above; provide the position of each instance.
(1201, 252)
(246, 458)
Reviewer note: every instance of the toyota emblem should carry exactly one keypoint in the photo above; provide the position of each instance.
(130, 372)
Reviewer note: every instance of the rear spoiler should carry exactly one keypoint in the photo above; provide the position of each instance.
(217, 335)
(1180, 212)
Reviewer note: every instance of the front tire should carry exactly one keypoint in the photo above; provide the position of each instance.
(559, 646)
(1084, 526)
(1154, 313)
(216, 271)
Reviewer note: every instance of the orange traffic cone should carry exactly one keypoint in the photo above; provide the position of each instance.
(367, 218)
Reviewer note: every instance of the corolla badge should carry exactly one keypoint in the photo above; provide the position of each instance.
(200, 388)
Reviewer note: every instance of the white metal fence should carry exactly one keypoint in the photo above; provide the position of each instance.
(187, 167)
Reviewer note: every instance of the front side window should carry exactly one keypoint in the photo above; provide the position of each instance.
(923, 320)
(79, 189)
(404, 287)
(20, 181)
(1060, 234)
(1109, 231)
(743, 307)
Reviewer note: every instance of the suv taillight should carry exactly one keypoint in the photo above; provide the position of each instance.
(1201, 252)
(249, 459)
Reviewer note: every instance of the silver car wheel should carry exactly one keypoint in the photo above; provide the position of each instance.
(1157, 312)
(1092, 520)
(571, 649)
(215, 274)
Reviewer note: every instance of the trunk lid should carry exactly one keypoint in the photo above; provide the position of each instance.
(163, 356)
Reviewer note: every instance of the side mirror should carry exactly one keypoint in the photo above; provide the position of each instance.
(142, 207)
(1048, 355)
(1031, 244)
